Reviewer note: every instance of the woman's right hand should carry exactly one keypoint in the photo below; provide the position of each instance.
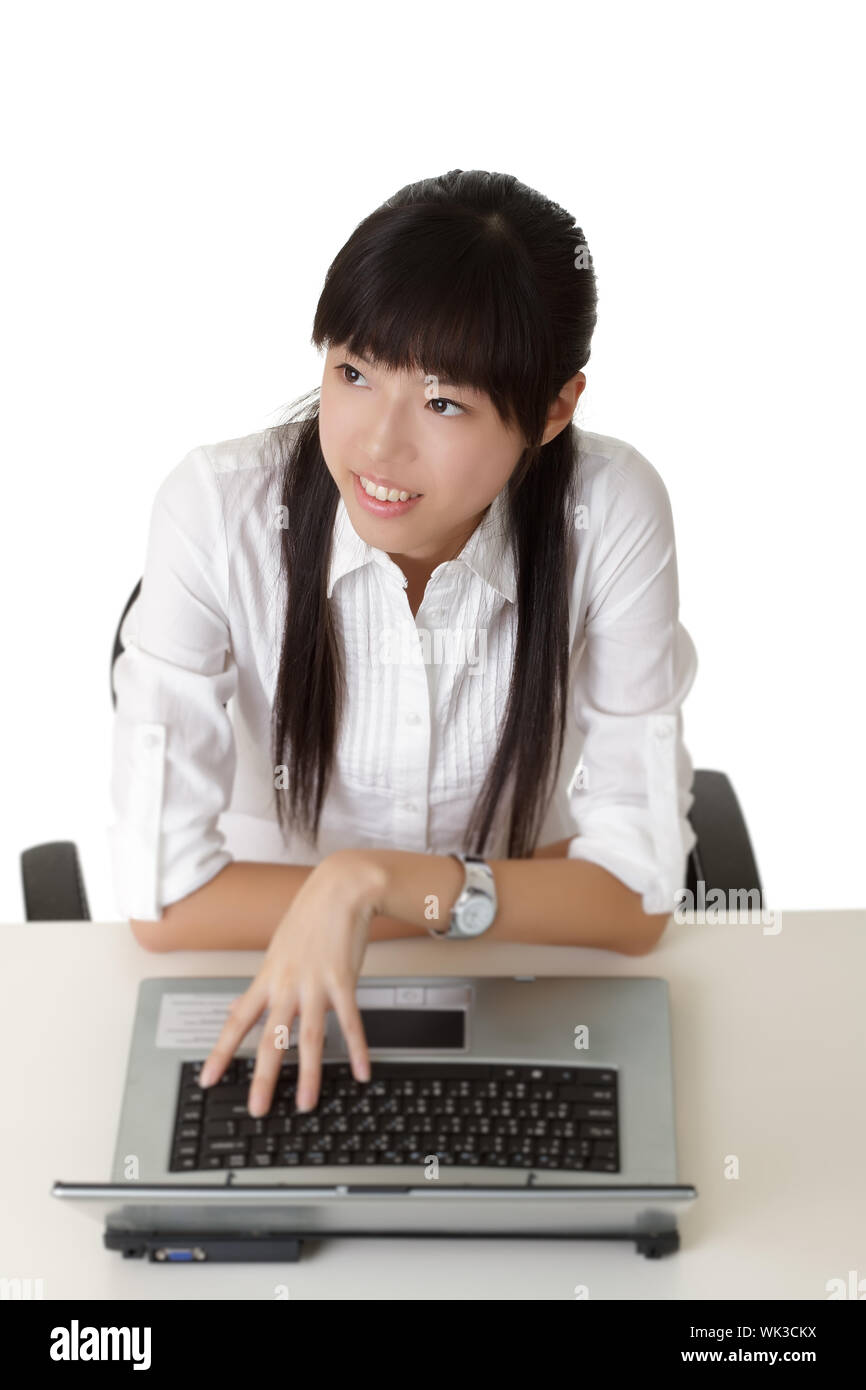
(312, 963)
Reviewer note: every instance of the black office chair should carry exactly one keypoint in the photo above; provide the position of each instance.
(722, 857)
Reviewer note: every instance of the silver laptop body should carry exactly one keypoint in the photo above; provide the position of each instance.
(621, 1025)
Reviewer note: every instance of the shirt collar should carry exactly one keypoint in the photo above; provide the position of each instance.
(487, 552)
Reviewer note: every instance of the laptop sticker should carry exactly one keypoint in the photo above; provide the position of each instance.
(196, 1020)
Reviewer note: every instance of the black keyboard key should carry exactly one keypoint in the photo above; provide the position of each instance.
(223, 1095)
(603, 1149)
(224, 1146)
(265, 1144)
(252, 1128)
(227, 1110)
(220, 1129)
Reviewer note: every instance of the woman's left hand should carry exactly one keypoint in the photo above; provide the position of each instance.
(312, 963)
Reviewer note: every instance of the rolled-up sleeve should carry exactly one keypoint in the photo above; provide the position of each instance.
(632, 791)
(173, 751)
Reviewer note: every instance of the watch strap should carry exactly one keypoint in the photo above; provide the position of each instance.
(465, 893)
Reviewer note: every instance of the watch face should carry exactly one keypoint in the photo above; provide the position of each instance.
(477, 915)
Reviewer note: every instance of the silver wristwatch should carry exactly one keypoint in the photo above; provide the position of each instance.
(475, 909)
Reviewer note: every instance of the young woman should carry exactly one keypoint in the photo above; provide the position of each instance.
(418, 593)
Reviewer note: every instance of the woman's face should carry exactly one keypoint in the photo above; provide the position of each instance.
(437, 439)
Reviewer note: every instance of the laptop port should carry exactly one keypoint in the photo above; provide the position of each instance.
(179, 1254)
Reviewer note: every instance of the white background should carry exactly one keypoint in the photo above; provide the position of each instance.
(177, 179)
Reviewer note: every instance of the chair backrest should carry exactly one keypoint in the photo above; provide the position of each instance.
(117, 649)
(118, 645)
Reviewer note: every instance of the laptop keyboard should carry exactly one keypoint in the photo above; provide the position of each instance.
(480, 1116)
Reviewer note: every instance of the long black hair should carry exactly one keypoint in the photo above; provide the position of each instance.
(479, 280)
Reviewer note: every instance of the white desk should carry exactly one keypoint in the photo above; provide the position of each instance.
(770, 1058)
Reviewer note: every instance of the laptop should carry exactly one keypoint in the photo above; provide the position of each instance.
(524, 1106)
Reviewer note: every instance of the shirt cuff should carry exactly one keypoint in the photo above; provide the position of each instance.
(645, 847)
(143, 884)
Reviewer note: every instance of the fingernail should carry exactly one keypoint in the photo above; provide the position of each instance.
(257, 1101)
(206, 1074)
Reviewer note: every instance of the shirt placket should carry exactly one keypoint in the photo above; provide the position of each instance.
(409, 740)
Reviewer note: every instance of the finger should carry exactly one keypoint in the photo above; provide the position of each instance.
(272, 1051)
(311, 1038)
(349, 1016)
(243, 1013)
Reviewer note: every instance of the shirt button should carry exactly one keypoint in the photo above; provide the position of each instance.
(150, 740)
(409, 806)
(413, 719)
(664, 731)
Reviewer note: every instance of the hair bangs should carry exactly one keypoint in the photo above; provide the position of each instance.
(454, 302)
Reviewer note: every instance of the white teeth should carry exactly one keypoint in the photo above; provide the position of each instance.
(383, 494)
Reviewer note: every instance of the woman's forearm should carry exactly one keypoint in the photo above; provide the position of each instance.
(577, 904)
(239, 909)
(558, 902)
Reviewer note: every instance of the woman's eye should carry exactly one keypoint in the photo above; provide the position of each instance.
(442, 400)
(345, 367)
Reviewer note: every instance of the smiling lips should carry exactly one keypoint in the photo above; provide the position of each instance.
(384, 490)
(381, 501)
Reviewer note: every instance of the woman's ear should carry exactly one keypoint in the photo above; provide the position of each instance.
(563, 408)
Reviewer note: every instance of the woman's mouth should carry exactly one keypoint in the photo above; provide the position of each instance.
(378, 499)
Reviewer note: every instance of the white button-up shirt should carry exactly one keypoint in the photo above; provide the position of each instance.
(192, 782)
